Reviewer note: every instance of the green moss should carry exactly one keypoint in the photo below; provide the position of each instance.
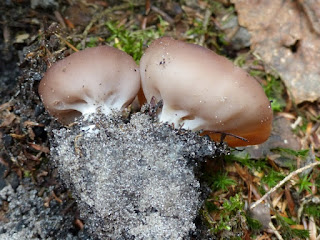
(231, 215)
(244, 158)
(234, 204)
(291, 152)
(93, 42)
(196, 30)
(210, 206)
(26, 173)
(312, 210)
(253, 224)
(133, 40)
(287, 232)
(272, 177)
(125, 40)
(305, 184)
(275, 91)
(219, 181)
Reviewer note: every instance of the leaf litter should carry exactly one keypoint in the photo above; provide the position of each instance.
(292, 207)
(285, 34)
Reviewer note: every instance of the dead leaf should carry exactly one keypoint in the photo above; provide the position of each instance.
(311, 8)
(79, 223)
(78, 14)
(17, 136)
(21, 38)
(281, 34)
(247, 177)
(297, 226)
(312, 228)
(290, 201)
(5, 106)
(276, 199)
(8, 119)
(39, 148)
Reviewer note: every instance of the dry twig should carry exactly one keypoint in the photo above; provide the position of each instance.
(67, 43)
(275, 231)
(283, 182)
(207, 16)
(163, 14)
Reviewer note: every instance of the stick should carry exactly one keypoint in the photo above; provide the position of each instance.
(163, 14)
(283, 181)
(275, 231)
(67, 43)
(207, 16)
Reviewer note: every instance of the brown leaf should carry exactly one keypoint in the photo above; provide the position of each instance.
(247, 177)
(69, 23)
(244, 174)
(78, 14)
(5, 106)
(39, 148)
(17, 136)
(8, 119)
(290, 201)
(282, 35)
(312, 10)
(79, 223)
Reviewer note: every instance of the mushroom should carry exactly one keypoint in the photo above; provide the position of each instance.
(101, 77)
(201, 90)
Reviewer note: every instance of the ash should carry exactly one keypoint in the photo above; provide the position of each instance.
(28, 218)
(133, 179)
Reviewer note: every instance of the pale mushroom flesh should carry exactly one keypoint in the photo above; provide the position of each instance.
(202, 90)
(103, 78)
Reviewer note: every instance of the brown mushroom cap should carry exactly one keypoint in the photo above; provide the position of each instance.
(100, 77)
(204, 91)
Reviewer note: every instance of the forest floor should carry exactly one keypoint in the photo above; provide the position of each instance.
(280, 49)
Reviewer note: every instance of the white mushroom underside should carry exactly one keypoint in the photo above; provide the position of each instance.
(89, 105)
(176, 117)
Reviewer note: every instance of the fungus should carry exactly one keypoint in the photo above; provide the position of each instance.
(201, 90)
(101, 77)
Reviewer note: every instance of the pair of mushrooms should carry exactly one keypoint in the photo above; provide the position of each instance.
(200, 90)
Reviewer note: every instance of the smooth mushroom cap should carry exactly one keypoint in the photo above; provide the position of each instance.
(100, 77)
(204, 91)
